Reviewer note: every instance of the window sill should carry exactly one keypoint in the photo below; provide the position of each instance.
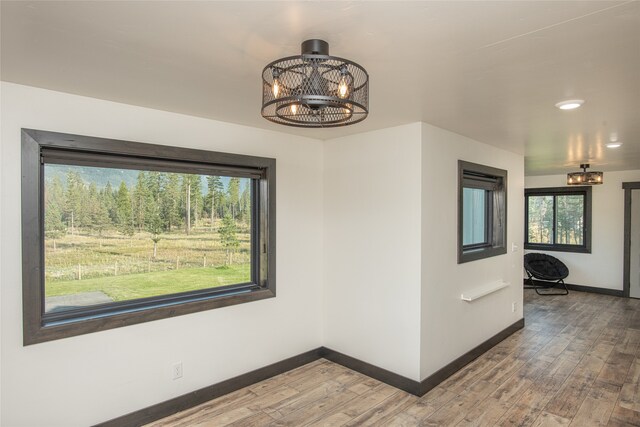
(58, 329)
(480, 253)
(558, 248)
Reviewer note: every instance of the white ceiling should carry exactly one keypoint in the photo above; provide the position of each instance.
(489, 70)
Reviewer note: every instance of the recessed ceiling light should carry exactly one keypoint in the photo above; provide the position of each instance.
(570, 104)
(614, 144)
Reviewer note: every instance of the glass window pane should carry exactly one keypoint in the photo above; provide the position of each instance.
(115, 235)
(474, 211)
(540, 219)
(570, 219)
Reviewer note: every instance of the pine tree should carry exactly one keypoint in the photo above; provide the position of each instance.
(186, 191)
(54, 202)
(245, 205)
(54, 227)
(234, 196)
(170, 201)
(54, 193)
(154, 225)
(196, 198)
(73, 200)
(100, 216)
(140, 199)
(191, 199)
(124, 213)
(228, 237)
(215, 189)
(155, 222)
(91, 204)
(108, 201)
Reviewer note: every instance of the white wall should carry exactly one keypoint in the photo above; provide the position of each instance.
(0, 262)
(450, 326)
(372, 247)
(603, 267)
(91, 378)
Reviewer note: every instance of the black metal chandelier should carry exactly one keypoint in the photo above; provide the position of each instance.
(584, 177)
(315, 90)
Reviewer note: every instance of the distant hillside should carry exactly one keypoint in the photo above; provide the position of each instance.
(99, 176)
(102, 176)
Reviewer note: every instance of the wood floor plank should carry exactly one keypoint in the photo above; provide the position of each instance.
(303, 371)
(533, 400)
(389, 406)
(316, 410)
(456, 409)
(259, 419)
(226, 417)
(624, 417)
(201, 412)
(302, 399)
(569, 398)
(630, 392)
(630, 342)
(547, 419)
(358, 405)
(487, 413)
(333, 420)
(597, 406)
(616, 368)
(430, 403)
(364, 386)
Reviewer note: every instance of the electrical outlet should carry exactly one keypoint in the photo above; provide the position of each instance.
(514, 247)
(514, 305)
(176, 370)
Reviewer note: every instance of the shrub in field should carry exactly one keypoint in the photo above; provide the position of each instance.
(228, 237)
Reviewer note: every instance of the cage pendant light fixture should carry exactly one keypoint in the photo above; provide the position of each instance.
(315, 90)
(584, 177)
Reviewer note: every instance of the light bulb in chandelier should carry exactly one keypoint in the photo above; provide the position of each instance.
(294, 109)
(343, 86)
(276, 82)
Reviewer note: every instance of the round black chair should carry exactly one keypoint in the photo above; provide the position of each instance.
(549, 272)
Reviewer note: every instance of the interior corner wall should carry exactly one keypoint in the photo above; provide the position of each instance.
(91, 378)
(450, 326)
(603, 267)
(372, 247)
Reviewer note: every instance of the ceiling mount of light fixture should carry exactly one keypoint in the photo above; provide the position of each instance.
(570, 104)
(314, 89)
(584, 177)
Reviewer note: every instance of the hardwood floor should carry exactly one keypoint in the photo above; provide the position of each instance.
(576, 362)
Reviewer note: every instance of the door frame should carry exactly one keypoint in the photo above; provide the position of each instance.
(626, 280)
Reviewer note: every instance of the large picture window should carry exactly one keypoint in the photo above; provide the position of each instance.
(558, 219)
(482, 213)
(117, 233)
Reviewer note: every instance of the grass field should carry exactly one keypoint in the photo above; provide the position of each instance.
(142, 285)
(124, 267)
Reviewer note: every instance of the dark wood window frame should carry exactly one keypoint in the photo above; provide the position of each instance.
(584, 191)
(494, 180)
(37, 146)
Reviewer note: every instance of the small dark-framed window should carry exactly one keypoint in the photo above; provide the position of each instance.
(482, 213)
(558, 219)
(116, 233)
